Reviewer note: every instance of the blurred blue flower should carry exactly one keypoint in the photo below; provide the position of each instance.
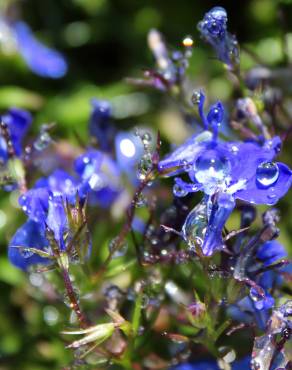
(17, 122)
(40, 59)
(100, 177)
(213, 29)
(100, 124)
(270, 252)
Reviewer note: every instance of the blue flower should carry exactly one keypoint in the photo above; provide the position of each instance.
(17, 122)
(100, 177)
(44, 206)
(30, 235)
(100, 125)
(240, 170)
(213, 29)
(41, 60)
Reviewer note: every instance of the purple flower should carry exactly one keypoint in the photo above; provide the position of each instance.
(41, 60)
(213, 29)
(17, 122)
(240, 170)
(100, 125)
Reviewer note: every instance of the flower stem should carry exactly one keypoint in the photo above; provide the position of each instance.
(73, 299)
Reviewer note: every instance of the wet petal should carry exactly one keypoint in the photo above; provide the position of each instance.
(57, 219)
(34, 203)
(185, 154)
(30, 235)
(254, 192)
(100, 177)
(247, 156)
(220, 212)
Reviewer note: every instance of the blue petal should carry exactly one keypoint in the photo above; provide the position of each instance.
(42, 60)
(255, 193)
(34, 203)
(100, 177)
(57, 219)
(270, 252)
(248, 155)
(18, 122)
(60, 183)
(220, 212)
(213, 29)
(32, 235)
(216, 114)
(185, 154)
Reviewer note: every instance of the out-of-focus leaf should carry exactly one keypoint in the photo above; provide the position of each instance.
(19, 97)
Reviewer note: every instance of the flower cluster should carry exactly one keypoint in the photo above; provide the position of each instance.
(230, 281)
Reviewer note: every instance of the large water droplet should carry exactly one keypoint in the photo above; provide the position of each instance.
(211, 168)
(267, 173)
(179, 191)
(194, 228)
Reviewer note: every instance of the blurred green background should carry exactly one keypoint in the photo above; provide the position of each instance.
(105, 41)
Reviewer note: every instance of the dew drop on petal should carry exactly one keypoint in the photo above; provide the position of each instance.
(255, 295)
(211, 168)
(267, 173)
(26, 252)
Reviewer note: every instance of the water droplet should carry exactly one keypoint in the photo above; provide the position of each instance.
(141, 201)
(122, 248)
(211, 168)
(255, 365)
(144, 301)
(144, 166)
(196, 97)
(179, 191)
(227, 354)
(188, 42)
(267, 173)
(26, 252)
(234, 149)
(195, 225)
(67, 300)
(51, 315)
(255, 295)
(43, 141)
(146, 139)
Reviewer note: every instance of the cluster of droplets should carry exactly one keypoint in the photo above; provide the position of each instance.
(145, 164)
(118, 250)
(44, 139)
